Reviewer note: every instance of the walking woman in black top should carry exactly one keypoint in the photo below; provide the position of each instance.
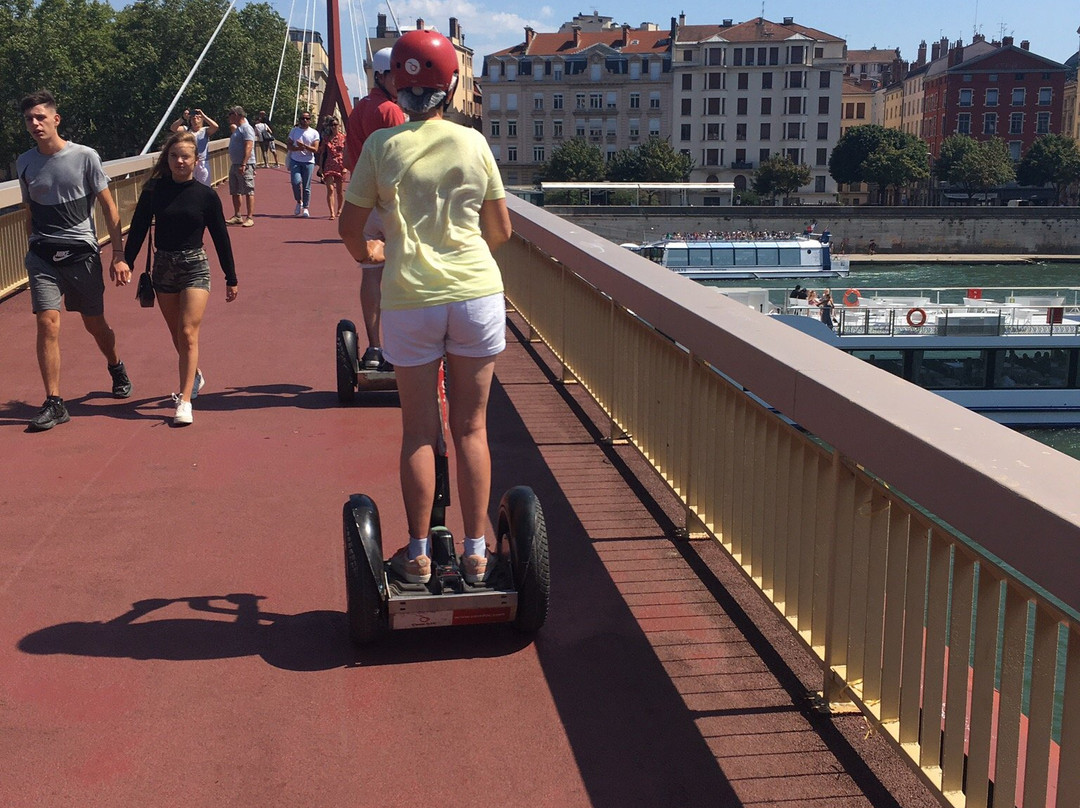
(182, 209)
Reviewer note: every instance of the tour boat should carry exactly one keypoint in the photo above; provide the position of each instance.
(1012, 355)
(707, 258)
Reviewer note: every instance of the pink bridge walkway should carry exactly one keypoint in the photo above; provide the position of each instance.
(172, 628)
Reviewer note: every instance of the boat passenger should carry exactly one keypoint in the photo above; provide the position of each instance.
(812, 298)
(826, 306)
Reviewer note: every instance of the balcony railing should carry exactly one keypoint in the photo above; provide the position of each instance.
(742, 165)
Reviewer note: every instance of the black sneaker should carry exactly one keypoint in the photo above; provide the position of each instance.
(373, 358)
(52, 412)
(121, 384)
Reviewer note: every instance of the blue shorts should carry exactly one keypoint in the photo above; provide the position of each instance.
(474, 328)
(81, 285)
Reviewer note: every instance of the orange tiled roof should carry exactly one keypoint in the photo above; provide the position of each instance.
(751, 31)
(638, 40)
(872, 56)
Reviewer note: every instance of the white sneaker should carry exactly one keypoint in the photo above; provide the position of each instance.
(299, 207)
(200, 380)
(305, 213)
(183, 411)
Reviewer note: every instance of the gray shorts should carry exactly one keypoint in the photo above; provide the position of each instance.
(81, 285)
(242, 180)
(183, 269)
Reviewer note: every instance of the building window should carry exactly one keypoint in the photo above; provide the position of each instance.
(744, 81)
(596, 100)
(686, 106)
(556, 72)
(496, 152)
(511, 154)
(635, 100)
(713, 106)
(712, 157)
(763, 155)
(823, 130)
(579, 128)
(634, 126)
(1018, 95)
(538, 102)
(495, 128)
(538, 130)
(766, 106)
(793, 130)
(712, 131)
(688, 81)
(654, 100)
(1014, 150)
(1042, 123)
(990, 123)
(538, 154)
(511, 71)
(965, 97)
(511, 128)
(740, 106)
(1044, 96)
(963, 123)
(819, 184)
(684, 131)
(992, 97)
(654, 127)
(795, 55)
(766, 131)
(860, 110)
(494, 102)
(740, 131)
(795, 79)
(579, 101)
(793, 105)
(714, 56)
(736, 57)
(612, 101)
(1016, 123)
(556, 129)
(824, 78)
(688, 55)
(822, 157)
(714, 81)
(556, 101)
(766, 80)
(823, 105)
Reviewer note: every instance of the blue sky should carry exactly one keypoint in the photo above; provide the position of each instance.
(491, 25)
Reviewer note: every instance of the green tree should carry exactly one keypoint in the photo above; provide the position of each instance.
(779, 176)
(874, 154)
(976, 166)
(652, 161)
(576, 160)
(1053, 159)
(851, 151)
(897, 168)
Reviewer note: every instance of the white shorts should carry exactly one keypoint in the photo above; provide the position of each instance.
(474, 328)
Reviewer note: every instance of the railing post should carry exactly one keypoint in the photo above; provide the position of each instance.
(834, 691)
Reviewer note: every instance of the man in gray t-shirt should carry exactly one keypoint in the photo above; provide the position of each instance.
(242, 168)
(60, 181)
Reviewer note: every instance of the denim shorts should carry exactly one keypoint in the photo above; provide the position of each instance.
(81, 285)
(474, 328)
(179, 270)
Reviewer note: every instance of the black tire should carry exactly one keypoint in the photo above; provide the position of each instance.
(521, 525)
(347, 361)
(365, 583)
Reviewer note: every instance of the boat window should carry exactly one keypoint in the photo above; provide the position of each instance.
(949, 370)
(723, 257)
(892, 361)
(768, 256)
(1027, 367)
(676, 257)
(746, 257)
(790, 257)
(700, 256)
(655, 254)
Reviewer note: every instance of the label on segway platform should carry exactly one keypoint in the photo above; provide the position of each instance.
(455, 617)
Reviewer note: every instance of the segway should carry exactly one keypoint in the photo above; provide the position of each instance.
(350, 376)
(516, 590)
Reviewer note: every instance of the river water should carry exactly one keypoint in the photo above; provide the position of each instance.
(984, 276)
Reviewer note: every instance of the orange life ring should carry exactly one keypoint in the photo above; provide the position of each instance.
(916, 317)
(852, 297)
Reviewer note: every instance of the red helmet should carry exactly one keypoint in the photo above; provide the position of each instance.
(424, 59)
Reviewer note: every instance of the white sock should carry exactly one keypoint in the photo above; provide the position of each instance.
(476, 547)
(418, 547)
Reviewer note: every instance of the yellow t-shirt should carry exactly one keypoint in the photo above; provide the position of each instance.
(428, 180)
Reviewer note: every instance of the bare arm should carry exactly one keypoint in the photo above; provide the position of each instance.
(495, 222)
(210, 124)
(119, 271)
(351, 229)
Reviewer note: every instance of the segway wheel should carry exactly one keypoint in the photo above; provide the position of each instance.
(521, 525)
(365, 583)
(347, 362)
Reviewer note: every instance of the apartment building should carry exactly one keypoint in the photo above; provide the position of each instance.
(594, 79)
(1070, 109)
(314, 66)
(744, 92)
(873, 64)
(1005, 92)
(466, 107)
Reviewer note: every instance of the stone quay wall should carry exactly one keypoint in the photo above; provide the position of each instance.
(1027, 230)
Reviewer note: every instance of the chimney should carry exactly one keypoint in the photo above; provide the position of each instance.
(726, 24)
(420, 24)
(1007, 42)
(956, 55)
(530, 35)
(380, 27)
(682, 19)
(625, 34)
(1025, 45)
(455, 33)
(789, 20)
(577, 36)
(935, 52)
(978, 38)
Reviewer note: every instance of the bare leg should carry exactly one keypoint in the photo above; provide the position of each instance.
(236, 205)
(420, 429)
(48, 350)
(468, 400)
(370, 303)
(103, 335)
(183, 314)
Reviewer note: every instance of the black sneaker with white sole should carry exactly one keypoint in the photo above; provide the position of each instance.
(121, 384)
(372, 359)
(52, 412)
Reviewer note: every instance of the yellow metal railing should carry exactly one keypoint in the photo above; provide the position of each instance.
(965, 652)
(126, 180)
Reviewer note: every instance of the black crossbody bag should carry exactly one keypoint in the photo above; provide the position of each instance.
(144, 291)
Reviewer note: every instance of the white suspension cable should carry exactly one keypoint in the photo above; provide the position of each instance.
(281, 62)
(361, 78)
(168, 112)
(366, 46)
(304, 48)
(393, 16)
